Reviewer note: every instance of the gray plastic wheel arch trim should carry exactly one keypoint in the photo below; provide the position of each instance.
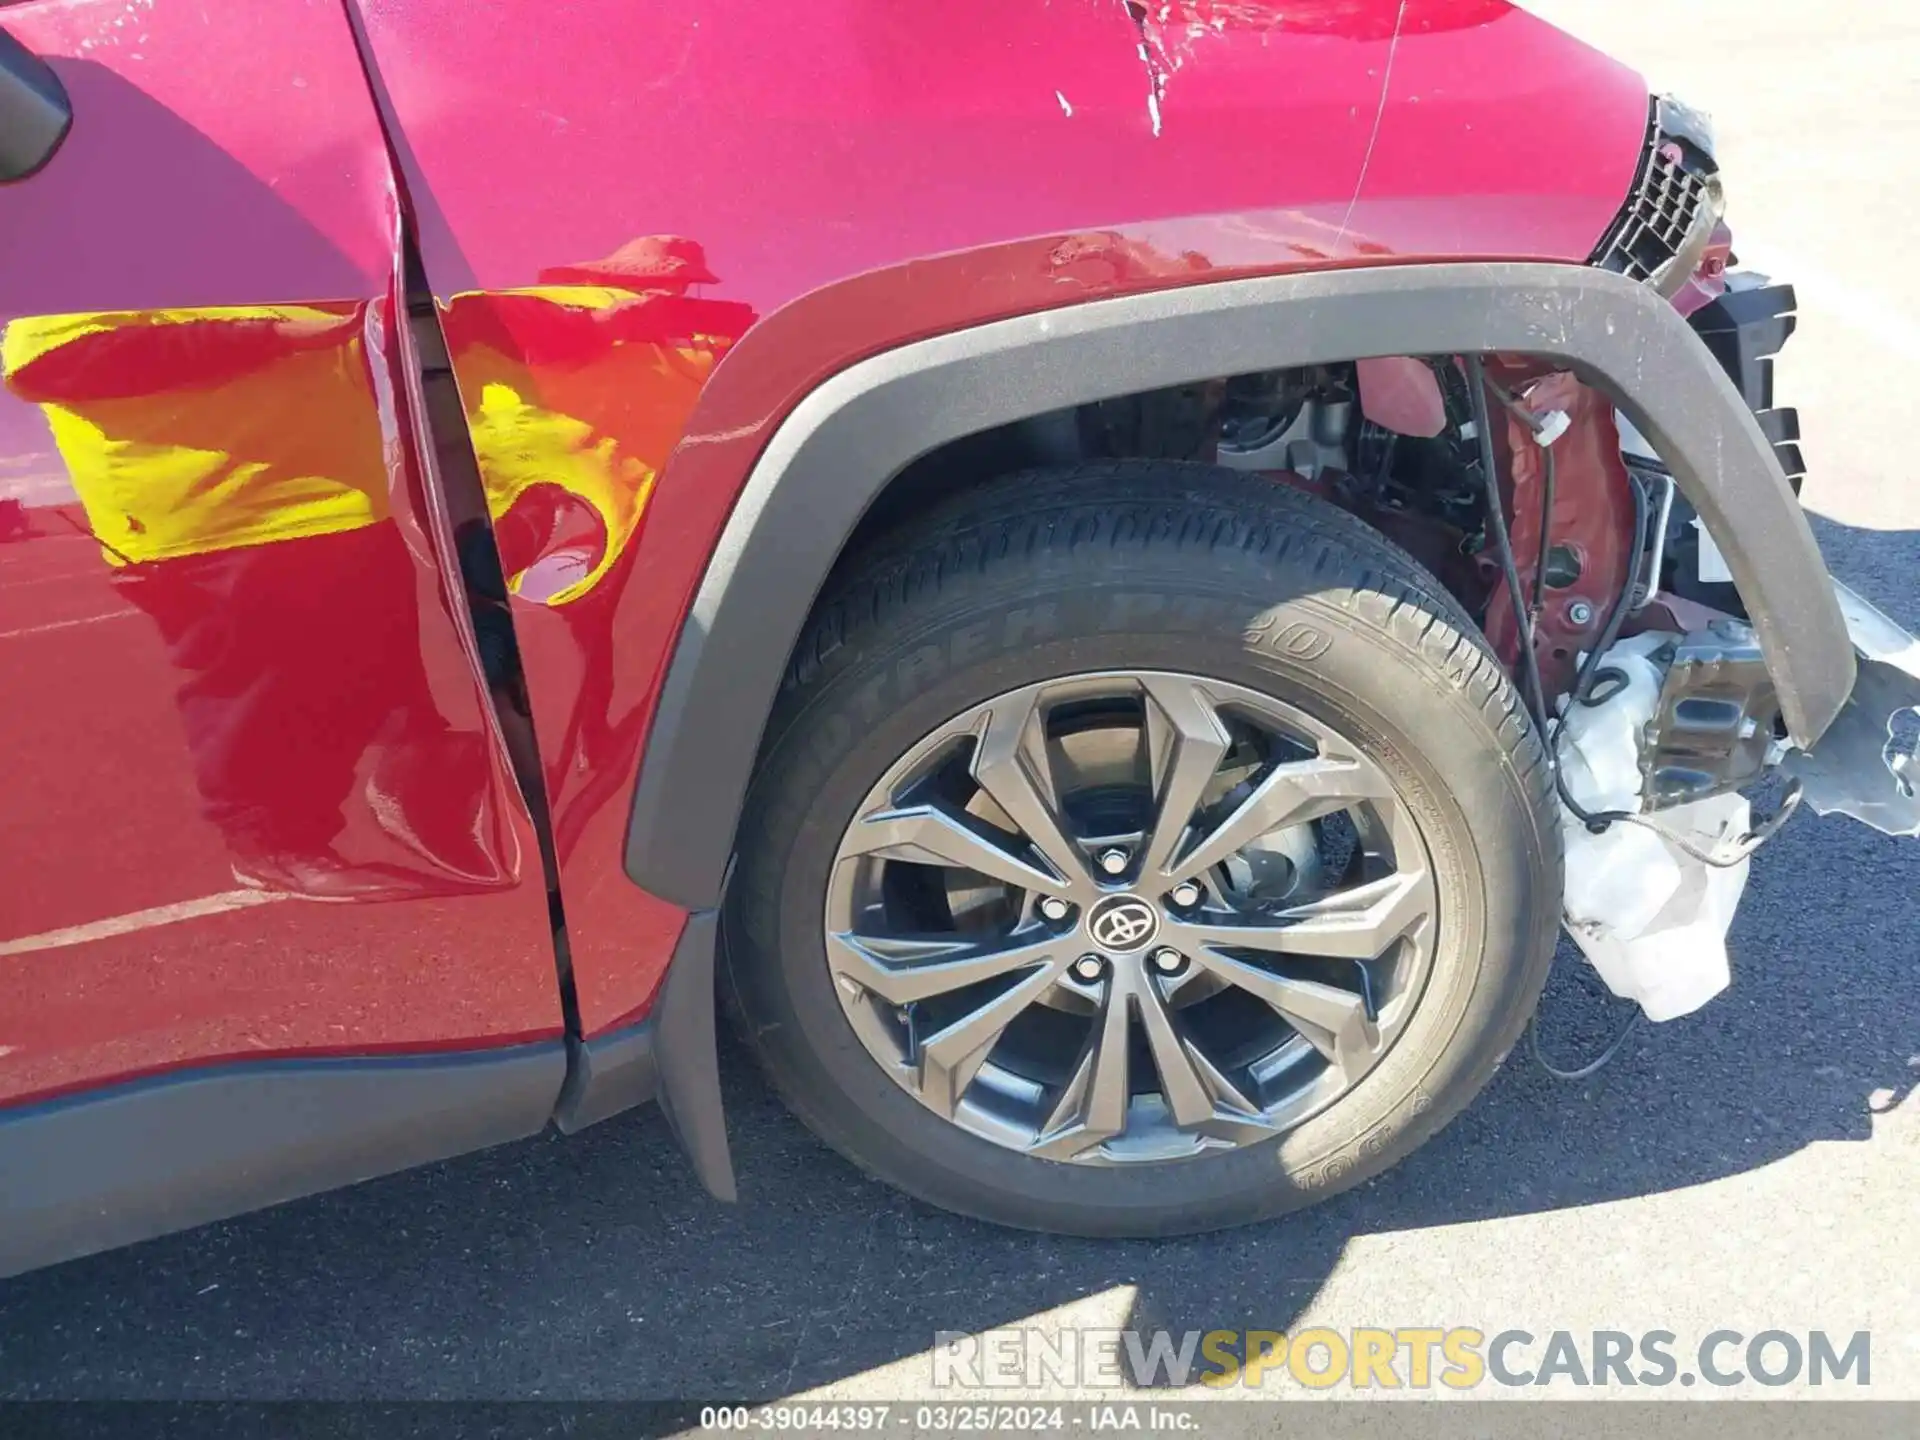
(841, 446)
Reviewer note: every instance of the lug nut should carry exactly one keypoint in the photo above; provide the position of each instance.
(1054, 908)
(1169, 961)
(1089, 968)
(1186, 893)
(1113, 861)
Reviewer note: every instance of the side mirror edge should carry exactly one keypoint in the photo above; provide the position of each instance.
(35, 114)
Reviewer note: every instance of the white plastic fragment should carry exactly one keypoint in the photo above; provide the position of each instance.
(1651, 918)
(1633, 444)
(1553, 425)
(1713, 565)
(1678, 962)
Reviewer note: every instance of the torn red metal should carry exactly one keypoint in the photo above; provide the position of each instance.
(1591, 527)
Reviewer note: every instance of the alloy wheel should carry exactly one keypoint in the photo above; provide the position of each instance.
(1130, 916)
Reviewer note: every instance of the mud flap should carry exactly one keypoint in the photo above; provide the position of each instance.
(669, 1057)
(1864, 765)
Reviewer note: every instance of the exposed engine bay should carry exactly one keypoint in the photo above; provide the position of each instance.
(1398, 442)
(1556, 525)
(1559, 529)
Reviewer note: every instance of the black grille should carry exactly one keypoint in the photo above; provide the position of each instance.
(1672, 188)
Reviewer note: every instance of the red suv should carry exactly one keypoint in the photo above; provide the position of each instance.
(1105, 574)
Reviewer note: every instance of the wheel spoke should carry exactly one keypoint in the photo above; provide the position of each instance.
(1234, 1113)
(1358, 923)
(1332, 1020)
(929, 835)
(1094, 1106)
(951, 1058)
(1010, 764)
(1180, 1082)
(903, 970)
(1186, 743)
(1292, 793)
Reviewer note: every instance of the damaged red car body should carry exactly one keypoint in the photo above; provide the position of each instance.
(480, 520)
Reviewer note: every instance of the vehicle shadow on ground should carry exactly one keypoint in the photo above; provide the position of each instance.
(595, 1267)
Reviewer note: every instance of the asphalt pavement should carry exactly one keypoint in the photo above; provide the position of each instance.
(1754, 1166)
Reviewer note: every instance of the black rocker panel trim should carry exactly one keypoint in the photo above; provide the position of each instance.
(111, 1167)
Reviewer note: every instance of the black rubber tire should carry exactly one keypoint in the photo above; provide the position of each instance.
(1148, 565)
